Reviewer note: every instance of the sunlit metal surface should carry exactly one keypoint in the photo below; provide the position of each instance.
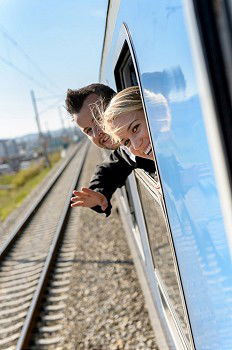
(173, 104)
(161, 247)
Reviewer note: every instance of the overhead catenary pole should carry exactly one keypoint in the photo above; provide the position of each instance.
(61, 119)
(41, 136)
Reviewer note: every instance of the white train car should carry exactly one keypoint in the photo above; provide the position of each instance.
(179, 222)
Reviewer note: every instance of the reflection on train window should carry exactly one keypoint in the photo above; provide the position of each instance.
(161, 249)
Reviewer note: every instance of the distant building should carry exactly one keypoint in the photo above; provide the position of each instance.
(8, 149)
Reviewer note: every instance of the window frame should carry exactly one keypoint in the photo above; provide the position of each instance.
(154, 187)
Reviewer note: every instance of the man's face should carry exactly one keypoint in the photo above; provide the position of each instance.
(88, 126)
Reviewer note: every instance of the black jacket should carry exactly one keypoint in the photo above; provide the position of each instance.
(113, 172)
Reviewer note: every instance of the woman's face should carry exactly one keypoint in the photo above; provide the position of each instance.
(133, 133)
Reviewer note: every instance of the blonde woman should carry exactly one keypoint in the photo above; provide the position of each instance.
(125, 122)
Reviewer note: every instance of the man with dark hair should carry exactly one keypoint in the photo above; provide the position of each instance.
(76, 98)
(79, 104)
(115, 169)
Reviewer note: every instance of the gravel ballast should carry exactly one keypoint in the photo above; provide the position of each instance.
(105, 308)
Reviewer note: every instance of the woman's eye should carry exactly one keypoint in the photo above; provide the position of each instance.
(89, 131)
(135, 128)
(126, 143)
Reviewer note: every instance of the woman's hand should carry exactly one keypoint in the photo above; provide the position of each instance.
(89, 198)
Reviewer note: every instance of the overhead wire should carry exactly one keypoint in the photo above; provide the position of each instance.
(51, 106)
(8, 62)
(8, 37)
(47, 97)
(26, 75)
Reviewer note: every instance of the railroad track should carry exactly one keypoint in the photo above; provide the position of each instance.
(28, 258)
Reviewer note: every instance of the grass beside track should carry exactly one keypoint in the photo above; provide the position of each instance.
(22, 183)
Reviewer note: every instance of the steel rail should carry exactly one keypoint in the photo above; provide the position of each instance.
(28, 215)
(25, 337)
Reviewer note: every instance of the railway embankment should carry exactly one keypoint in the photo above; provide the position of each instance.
(105, 309)
(93, 300)
(11, 221)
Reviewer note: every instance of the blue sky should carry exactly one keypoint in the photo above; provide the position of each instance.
(47, 46)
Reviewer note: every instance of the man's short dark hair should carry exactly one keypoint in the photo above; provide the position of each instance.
(75, 98)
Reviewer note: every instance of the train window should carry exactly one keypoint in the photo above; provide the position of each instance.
(125, 74)
(156, 222)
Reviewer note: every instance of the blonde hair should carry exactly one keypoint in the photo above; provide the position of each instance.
(127, 100)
